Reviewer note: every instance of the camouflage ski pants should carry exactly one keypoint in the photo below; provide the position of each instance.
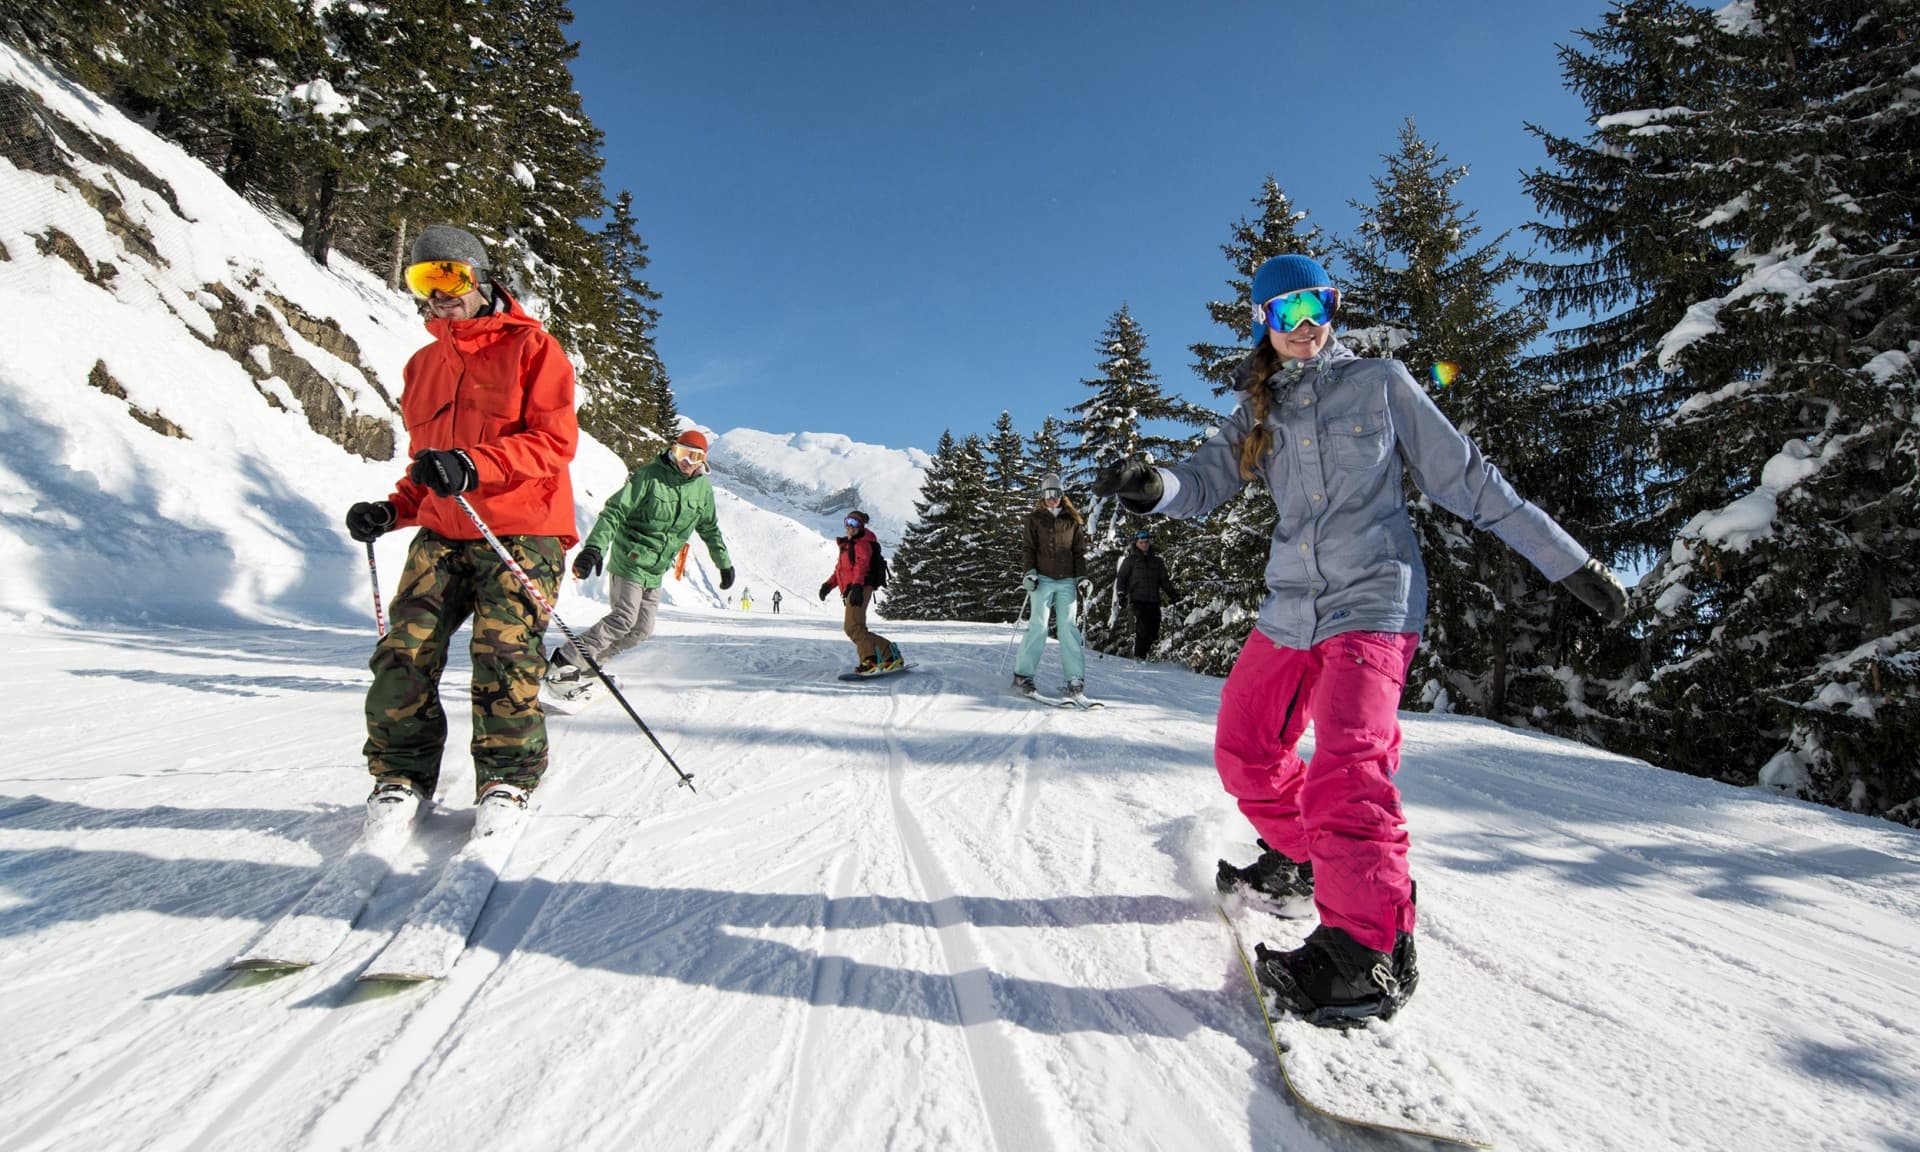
(445, 583)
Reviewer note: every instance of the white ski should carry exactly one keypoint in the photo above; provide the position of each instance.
(436, 931)
(310, 931)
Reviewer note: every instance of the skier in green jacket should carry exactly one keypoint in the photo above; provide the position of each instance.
(638, 532)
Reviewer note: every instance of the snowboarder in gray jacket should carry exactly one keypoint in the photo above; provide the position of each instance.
(1346, 600)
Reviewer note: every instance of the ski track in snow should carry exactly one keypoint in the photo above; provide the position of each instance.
(909, 913)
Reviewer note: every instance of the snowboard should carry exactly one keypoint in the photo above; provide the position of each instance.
(852, 676)
(1374, 1076)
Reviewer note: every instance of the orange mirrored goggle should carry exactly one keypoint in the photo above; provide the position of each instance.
(687, 452)
(452, 277)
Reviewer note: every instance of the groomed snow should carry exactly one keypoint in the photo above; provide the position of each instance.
(915, 913)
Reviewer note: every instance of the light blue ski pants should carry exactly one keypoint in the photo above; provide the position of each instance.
(1057, 596)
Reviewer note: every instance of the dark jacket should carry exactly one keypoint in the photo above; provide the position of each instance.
(1055, 546)
(1143, 576)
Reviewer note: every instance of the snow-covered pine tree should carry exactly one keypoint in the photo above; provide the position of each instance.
(1047, 450)
(943, 569)
(623, 389)
(410, 72)
(1432, 292)
(1625, 204)
(1110, 426)
(1220, 563)
(917, 581)
(1009, 497)
(1787, 626)
(540, 167)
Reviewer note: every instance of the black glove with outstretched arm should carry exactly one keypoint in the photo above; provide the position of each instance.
(1599, 589)
(1135, 482)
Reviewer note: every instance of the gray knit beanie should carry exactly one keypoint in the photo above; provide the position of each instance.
(445, 242)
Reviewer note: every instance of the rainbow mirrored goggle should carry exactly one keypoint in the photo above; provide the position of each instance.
(1289, 310)
(1443, 373)
(452, 277)
(687, 452)
(855, 522)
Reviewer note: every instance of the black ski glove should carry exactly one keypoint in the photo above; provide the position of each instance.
(1135, 482)
(587, 563)
(726, 578)
(857, 595)
(447, 473)
(1599, 589)
(367, 521)
(826, 588)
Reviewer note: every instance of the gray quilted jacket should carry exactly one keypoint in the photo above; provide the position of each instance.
(1344, 557)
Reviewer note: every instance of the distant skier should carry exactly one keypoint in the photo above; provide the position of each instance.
(855, 576)
(1346, 599)
(746, 600)
(1053, 553)
(489, 412)
(640, 529)
(776, 601)
(1142, 580)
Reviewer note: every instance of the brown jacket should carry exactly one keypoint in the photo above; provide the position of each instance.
(1055, 546)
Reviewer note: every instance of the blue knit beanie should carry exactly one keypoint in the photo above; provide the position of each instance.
(1284, 274)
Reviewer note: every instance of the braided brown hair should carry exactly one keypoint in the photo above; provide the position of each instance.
(1251, 376)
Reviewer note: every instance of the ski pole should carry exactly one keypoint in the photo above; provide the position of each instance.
(1018, 620)
(379, 611)
(533, 590)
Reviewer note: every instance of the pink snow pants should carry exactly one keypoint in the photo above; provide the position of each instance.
(1341, 811)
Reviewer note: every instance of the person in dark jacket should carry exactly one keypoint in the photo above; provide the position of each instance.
(1332, 433)
(1142, 580)
(854, 576)
(1053, 555)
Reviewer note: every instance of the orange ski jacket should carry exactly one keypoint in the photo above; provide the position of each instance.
(499, 388)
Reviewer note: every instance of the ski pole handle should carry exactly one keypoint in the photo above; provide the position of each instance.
(540, 598)
(379, 610)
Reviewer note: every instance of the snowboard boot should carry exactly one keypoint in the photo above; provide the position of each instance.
(502, 805)
(866, 667)
(891, 660)
(1287, 883)
(1025, 685)
(1335, 981)
(394, 804)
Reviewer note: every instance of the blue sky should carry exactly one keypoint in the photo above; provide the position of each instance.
(891, 217)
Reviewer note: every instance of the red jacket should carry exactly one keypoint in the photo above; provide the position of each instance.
(856, 561)
(499, 388)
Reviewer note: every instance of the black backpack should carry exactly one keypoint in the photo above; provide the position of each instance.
(877, 573)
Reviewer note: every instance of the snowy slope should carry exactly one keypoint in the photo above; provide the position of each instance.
(902, 915)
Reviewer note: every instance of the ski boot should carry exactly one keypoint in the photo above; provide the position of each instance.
(394, 805)
(1335, 981)
(1025, 685)
(502, 805)
(1285, 883)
